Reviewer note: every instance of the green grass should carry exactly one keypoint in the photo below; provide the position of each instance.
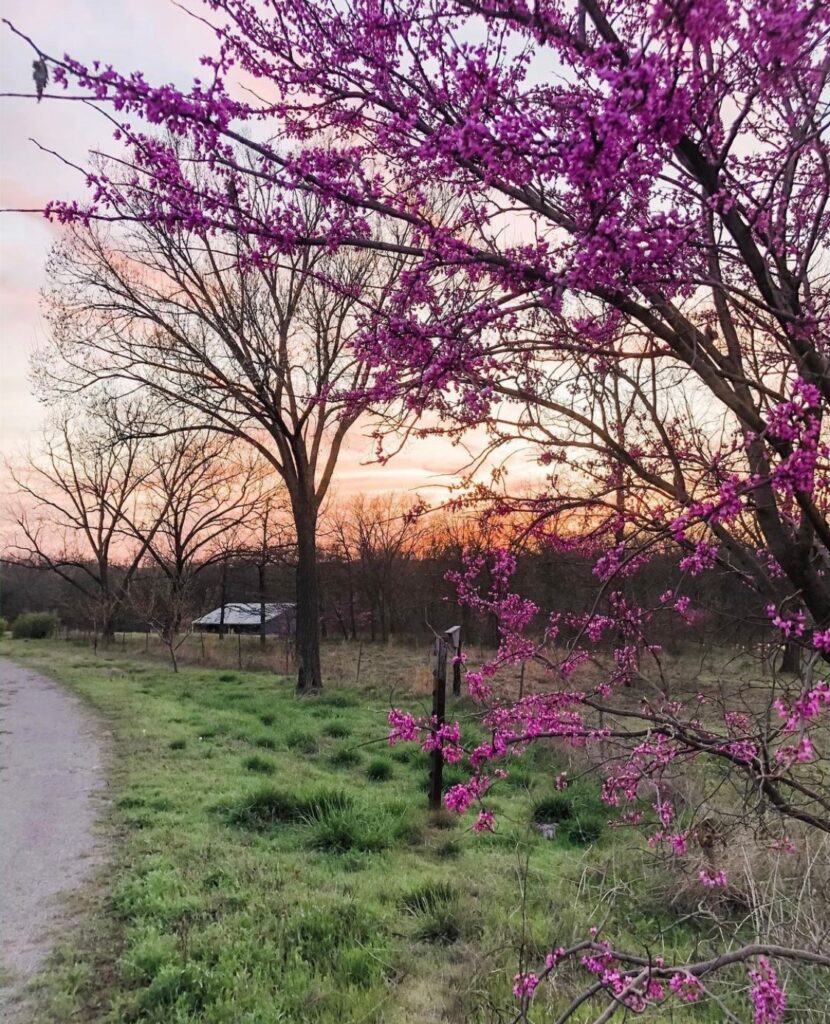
(262, 888)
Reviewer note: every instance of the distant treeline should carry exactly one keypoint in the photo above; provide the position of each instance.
(376, 595)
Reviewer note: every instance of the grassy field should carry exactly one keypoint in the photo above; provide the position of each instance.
(273, 861)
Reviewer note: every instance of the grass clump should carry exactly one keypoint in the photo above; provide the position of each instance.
(434, 906)
(341, 827)
(260, 765)
(379, 770)
(302, 742)
(268, 806)
(551, 810)
(347, 757)
(337, 699)
(577, 812)
(336, 729)
(265, 741)
(404, 753)
(178, 744)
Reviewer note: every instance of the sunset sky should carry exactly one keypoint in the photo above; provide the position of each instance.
(166, 43)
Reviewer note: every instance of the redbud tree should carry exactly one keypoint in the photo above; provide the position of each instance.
(615, 218)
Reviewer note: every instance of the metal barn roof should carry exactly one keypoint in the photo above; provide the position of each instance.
(244, 614)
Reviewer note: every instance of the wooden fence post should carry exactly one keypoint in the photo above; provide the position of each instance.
(439, 702)
(454, 638)
(359, 657)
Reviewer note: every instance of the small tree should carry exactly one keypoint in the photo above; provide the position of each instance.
(201, 495)
(74, 497)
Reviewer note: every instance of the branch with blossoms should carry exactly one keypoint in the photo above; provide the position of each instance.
(636, 983)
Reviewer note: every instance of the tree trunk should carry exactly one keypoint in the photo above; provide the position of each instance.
(791, 661)
(223, 594)
(262, 595)
(309, 675)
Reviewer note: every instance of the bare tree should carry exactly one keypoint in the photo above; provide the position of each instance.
(74, 497)
(202, 495)
(259, 349)
(376, 538)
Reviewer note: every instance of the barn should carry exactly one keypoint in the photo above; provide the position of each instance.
(246, 617)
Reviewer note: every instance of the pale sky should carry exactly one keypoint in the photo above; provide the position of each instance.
(162, 40)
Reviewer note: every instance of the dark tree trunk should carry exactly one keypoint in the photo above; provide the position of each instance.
(262, 595)
(791, 662)
(223, 597)
(108, 628)
(309, 675)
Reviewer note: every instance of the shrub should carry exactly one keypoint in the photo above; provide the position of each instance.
(34, 625)
(379, 770)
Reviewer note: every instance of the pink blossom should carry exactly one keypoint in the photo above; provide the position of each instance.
(768, 999)
(686, 987)
(713, 880)
(524, 985)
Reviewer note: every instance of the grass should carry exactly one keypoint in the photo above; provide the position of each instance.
(277, 885)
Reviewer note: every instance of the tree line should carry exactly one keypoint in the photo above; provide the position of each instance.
(121, 530)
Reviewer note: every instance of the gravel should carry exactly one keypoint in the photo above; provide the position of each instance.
(51, 794)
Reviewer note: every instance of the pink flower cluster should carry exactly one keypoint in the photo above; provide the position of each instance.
(769, 1002)
(686, 987)
(713, 880)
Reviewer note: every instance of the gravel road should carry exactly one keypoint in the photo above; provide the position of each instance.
(51, 793)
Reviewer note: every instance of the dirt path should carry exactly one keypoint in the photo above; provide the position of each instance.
(51, 791)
